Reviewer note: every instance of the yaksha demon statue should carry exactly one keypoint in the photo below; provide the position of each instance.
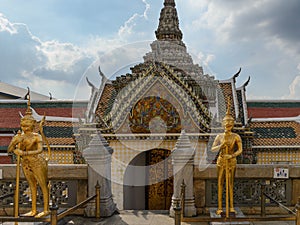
(229, 145)
(28, 146)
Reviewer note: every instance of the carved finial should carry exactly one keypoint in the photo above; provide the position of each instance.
(100, 72)
(237, 74)
(247, 82)
(243, 87)
(28, 110)
(90, 83)
(104, 78)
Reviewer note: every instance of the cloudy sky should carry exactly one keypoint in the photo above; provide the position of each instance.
(52, 45)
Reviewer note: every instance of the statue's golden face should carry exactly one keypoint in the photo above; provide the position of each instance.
(27, 125)
(228, 124)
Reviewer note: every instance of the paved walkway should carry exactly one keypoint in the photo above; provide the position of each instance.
(137, 218)
(148, 218)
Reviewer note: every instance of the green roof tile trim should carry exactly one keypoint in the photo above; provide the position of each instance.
(9, 130)
(274, 132)
(43, 104)
(3, 148)
(273, 104)
(59, 132)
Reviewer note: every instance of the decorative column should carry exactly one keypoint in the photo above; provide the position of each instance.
(183, 163)
(98, 157)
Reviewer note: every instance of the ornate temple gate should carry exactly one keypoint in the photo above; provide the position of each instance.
(160, 179)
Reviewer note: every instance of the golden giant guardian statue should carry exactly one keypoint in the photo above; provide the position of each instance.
(229, 146)
(28, 146)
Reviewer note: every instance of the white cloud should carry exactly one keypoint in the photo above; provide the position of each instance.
(204, 60)
(45, 85)
(61, 56)
(43, 66)
(5, 25)
(261, 36)
(294, 87)
(228, 34)
(128, 31)
(60, 66)
(147, 7)
(194, 5)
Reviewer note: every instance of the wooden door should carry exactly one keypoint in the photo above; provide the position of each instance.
(160, 189)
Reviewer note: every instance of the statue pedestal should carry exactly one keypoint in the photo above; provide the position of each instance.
(239, 213)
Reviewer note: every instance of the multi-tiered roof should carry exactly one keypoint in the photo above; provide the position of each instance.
(167, 86)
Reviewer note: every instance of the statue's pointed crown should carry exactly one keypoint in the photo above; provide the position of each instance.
(28, 113)
(228, 115)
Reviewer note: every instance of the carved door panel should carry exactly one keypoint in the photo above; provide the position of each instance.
(160, 188)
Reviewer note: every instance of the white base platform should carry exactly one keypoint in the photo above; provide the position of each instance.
(239, 213)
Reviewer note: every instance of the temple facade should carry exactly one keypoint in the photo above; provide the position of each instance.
(161, 119)
(149, 130)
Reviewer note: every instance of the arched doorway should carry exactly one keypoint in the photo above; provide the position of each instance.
(148, 181)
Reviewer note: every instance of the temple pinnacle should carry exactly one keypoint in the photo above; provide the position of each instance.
(169, 3)
(168, 28)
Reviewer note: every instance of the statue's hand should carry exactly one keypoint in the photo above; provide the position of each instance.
(18, 152)
(227, 156)
(224, 145)
(17, 139)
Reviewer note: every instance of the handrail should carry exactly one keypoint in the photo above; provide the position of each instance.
(263, 201)
(72, 209)
(54, 217)
(280, 204)
(180, 218)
